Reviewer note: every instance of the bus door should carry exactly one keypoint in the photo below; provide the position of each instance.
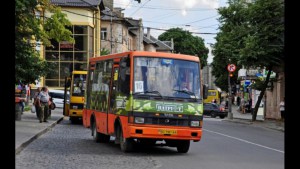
(66, 107)
(112, 97)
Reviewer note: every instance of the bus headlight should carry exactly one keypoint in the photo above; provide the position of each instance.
(139, 120)
(195, 123)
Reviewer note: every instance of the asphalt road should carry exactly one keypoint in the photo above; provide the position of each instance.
(224, 145)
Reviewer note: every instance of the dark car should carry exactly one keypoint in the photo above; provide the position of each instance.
(214, 110)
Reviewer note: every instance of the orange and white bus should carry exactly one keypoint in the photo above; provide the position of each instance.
(144, 97)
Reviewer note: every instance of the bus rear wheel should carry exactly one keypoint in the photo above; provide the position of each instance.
(126, 144)
(95, 134)
(183, 146)
(99, 137)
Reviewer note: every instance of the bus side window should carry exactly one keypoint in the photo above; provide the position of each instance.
(124, 76)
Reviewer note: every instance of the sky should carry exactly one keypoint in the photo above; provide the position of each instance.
(199, 16)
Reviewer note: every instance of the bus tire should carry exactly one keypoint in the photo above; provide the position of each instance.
(99, 137)
(126, 144)
(96, 135)
(183, 146)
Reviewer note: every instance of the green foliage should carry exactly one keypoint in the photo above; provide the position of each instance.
(104, 51)
(31, 28)
(186, 43)
(251, 35)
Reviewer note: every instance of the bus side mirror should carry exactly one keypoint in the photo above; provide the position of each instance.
(205, 92)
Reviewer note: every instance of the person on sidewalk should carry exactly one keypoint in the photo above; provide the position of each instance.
(281, 107)
(43, 99)
(243, 105)
(238, 100)
(35, 101)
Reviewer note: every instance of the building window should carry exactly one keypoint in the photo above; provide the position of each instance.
(103, 33)
(68, 56)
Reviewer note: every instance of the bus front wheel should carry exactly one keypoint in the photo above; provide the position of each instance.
(183, 146)
(95, 134)
(126, 144)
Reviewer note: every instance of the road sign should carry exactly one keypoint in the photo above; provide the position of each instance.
(231, 67)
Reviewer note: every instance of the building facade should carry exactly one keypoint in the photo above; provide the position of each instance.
(208, 78)
(85, 19)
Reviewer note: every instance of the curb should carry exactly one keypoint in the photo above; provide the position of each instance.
(238, 121)
(26, 143)
(243, 121)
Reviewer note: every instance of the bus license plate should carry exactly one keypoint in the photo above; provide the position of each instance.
(163, 131)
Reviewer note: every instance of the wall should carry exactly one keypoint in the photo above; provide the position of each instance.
(149, 47)
(119, 38)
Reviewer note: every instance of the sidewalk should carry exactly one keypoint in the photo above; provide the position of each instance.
(29, 128)
(260, 121)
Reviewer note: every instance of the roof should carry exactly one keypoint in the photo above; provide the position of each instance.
(149, 41)
(162, 45)
(78, 3)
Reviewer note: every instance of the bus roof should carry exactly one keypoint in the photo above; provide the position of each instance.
(148, 54)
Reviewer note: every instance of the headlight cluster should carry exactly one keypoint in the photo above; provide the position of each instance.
(195, 123)
(139, 120)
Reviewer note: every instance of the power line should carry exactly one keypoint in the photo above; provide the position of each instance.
(128, 4)
(201, 19)
(166, 8)
(140, 7)
(165, 23)
(119, 17)
(189, 31)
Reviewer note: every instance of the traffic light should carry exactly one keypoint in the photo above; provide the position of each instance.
(231, 74)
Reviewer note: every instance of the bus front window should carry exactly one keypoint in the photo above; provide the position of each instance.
(168, 77)
(79, 85)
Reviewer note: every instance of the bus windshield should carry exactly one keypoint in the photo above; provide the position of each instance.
(166, 77)
(79, 85)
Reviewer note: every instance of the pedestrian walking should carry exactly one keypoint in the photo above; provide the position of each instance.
(23, 96)
(43, 102)
(35, 102)
(282, 109)
(250, 105)
(242, 105)
(238, 100)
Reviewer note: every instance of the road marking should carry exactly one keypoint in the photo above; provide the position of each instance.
(244, 141)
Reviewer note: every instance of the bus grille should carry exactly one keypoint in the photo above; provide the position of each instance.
(167, 121)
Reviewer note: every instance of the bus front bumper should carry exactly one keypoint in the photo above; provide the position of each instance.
(75, 113)
(165, 132)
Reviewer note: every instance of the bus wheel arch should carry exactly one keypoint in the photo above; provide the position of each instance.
(126, 144)
(117, 128)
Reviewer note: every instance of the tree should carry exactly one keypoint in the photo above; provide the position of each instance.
(186, 43)
(226, 50)
(252, 35)
(263, 47)
(31, 28)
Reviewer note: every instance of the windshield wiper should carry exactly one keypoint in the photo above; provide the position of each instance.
(147, 91)
(187, 92)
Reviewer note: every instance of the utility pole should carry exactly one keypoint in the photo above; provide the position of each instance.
(111, 37)
(231, 68)
(230, 115)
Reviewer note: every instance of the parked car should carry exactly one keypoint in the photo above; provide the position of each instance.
(214, 110)
(58, 97)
